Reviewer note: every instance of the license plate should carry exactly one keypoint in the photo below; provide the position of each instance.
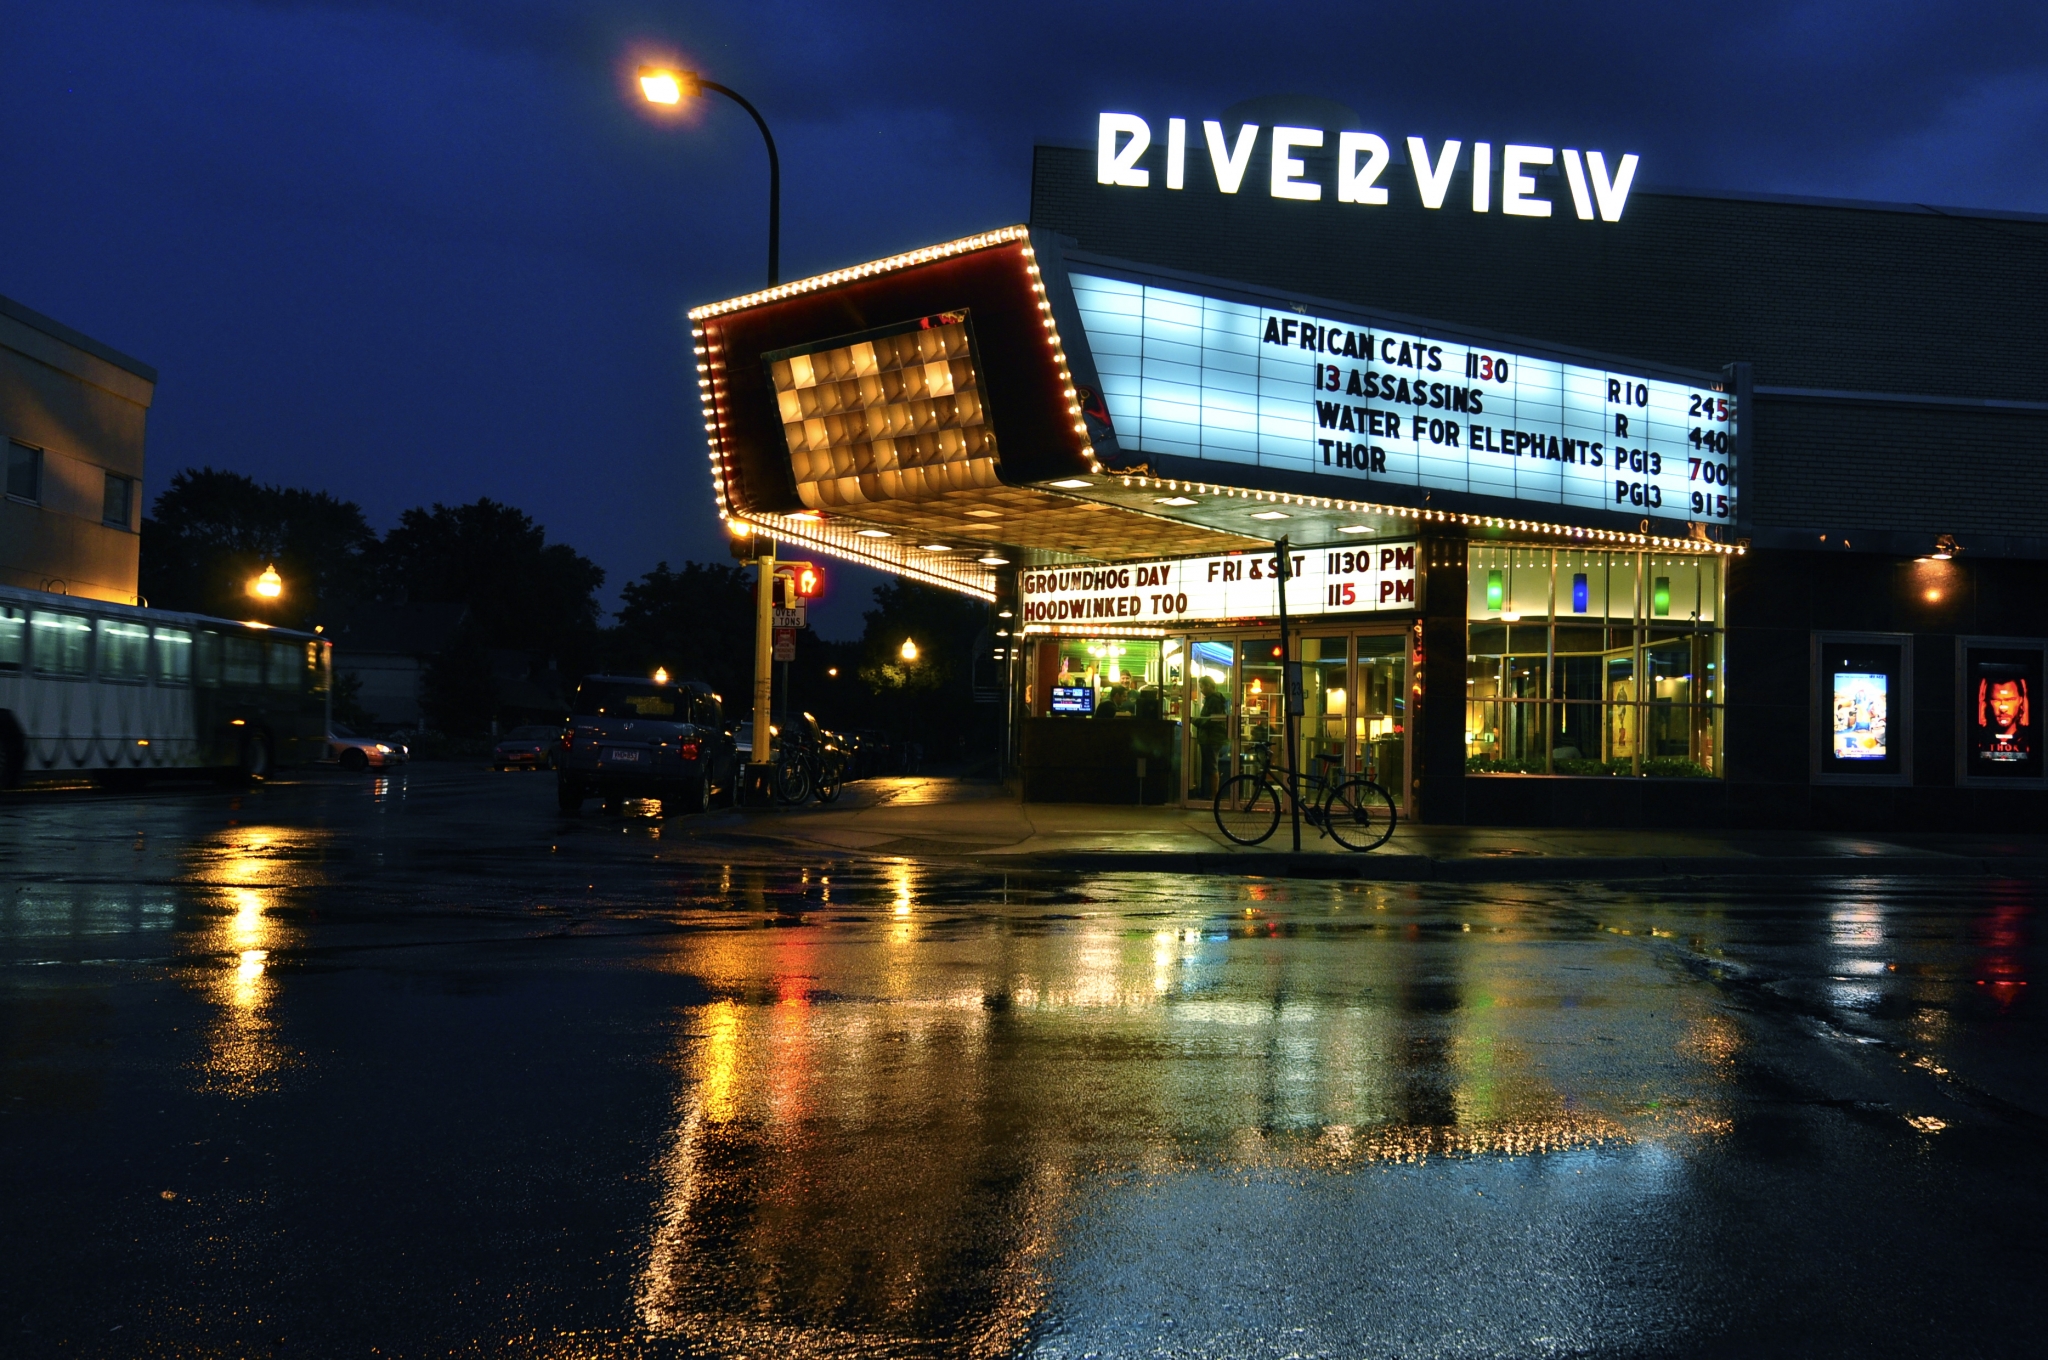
(619, 756)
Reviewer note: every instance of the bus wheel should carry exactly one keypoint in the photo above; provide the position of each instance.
(13, 751)
(255, 762)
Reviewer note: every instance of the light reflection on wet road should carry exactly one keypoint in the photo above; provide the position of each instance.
(414, 1065)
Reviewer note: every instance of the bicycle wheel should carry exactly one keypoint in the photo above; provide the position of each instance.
(1361, 815)
(1247, 809)
(831, 778)
(792, 779)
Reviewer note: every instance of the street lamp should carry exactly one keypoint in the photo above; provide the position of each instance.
(660, 85)
(267, 586)
(909, 650)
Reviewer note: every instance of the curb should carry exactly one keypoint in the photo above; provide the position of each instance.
(1505, 869)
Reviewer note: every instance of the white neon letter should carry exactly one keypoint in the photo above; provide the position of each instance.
(1515, 187)
(1286, 168)
(1232, 162)
(1611, 195)
(1176, 152)
(1120, 167)
(1355, 185)
(1482, 176)
(1575, 175)
(1435, 182)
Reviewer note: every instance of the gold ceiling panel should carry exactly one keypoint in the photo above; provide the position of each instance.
(896, 415)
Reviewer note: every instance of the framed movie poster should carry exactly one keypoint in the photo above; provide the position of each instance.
(1998, 717)
(1863, 708)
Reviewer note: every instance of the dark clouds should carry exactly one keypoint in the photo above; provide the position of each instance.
(410, 251)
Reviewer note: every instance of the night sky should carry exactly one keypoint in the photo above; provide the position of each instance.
(409, 252)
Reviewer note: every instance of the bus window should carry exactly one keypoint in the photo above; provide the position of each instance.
(242, 661)
(13, 637)
(124, 650)
(60, 642)
(287, 664)
(206, 659)
(173, 656)
(316, 666)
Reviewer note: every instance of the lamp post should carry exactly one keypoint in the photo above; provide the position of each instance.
(662, 86)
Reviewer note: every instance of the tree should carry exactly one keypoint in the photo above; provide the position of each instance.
(930, 699)
(523, 593)
(697, 622)
(214, 530)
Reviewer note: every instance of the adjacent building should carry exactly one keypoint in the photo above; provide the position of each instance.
(72, 417)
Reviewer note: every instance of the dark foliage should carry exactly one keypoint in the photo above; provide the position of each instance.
(929, 700)
(697, 622)
(212, 531)
(523, 593)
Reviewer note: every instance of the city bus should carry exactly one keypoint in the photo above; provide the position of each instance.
(112, 692)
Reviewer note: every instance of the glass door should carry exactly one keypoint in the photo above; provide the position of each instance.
(1326, 705)
(1261, 704)
(1380, 724)
(1211, 664)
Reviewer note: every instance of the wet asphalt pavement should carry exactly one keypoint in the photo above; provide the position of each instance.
(415, 1067)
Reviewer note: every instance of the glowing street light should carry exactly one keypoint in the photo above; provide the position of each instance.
(662, 85)
(909, 651)
(661, 675)
(268, 586)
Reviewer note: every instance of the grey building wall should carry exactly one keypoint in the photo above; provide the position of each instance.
(84, 407)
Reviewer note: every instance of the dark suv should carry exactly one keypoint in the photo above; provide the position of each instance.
(635, 738)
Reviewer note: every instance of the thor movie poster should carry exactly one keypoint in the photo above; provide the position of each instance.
(2001, 713)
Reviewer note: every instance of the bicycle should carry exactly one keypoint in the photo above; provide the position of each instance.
(803, 768)
(1355, 812)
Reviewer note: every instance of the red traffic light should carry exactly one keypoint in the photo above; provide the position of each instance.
(806, 579)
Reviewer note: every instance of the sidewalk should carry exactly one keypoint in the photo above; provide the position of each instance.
(983, 824)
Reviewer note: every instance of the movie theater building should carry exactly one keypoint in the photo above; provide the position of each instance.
(1602, 506)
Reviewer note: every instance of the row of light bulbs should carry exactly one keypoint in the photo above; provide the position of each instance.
(1690, 545)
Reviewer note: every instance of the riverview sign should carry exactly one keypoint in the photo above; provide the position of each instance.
(1362, 404)
(1362, 579)
(1362, 167)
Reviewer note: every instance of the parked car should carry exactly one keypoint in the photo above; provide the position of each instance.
(352, 752)
(636, 738)
(531, 747)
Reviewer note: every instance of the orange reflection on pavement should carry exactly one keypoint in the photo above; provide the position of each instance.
(233, 957)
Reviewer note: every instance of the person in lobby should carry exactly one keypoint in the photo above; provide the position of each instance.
(1210, 735)
(1113, 704)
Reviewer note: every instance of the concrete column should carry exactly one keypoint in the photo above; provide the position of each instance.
(1440, 743)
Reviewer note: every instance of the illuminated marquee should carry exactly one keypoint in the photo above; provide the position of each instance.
(1362, 162)
(1362, 403)
(1362, 579)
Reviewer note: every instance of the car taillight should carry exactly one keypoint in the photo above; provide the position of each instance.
(687, 750)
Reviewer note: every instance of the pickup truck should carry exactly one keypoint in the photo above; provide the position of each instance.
(636, 738)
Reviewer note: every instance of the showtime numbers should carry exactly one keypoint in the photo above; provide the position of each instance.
(1486, 367)
(1713, 441)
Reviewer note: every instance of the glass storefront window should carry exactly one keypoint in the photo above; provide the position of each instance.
(1127, 675)
(1582, 662)
(1209, 710)
(1261, 701)
(1381, 724)
(1326, 702)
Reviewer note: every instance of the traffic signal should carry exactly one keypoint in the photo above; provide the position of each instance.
(805, 578)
